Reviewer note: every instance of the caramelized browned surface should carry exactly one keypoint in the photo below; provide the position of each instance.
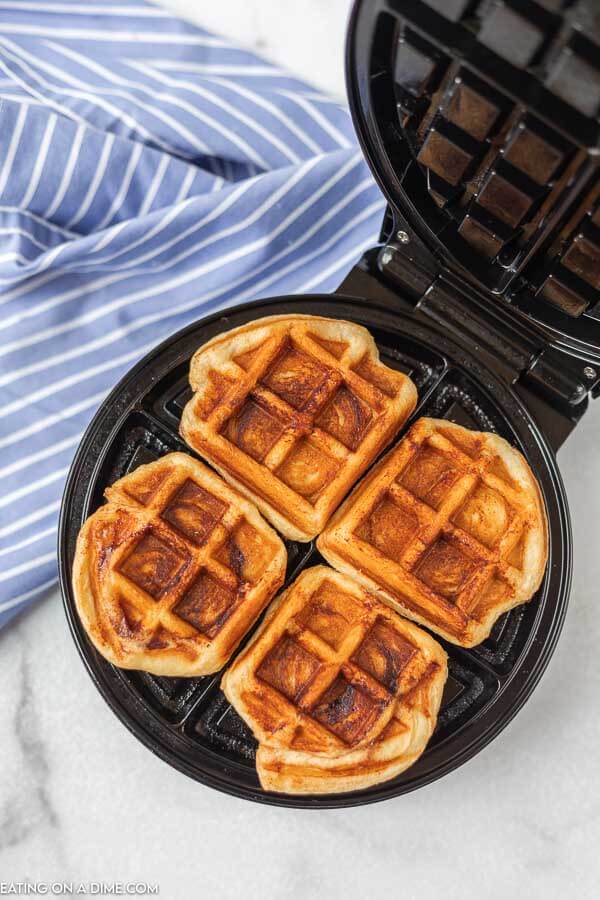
(208, 604)
(346, 418)
(429, 476)
(289, 668)
(171, 573)
(304, 405)
(445, 158)
(194, 512)
(449, 527)
(153, 565)
(254, 430)
(338, 655)
(389, 528)
(245, 552)
(335, 678)
(384, 654)
(307, 471)
(295, 377)
(347, 711)
(446, 569)
(330, 615)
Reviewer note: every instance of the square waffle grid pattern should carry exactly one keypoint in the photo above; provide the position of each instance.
(282, 380)
(427, 526)
(185, 575)
(143, 440)
(483, 127)
(196, 708)
(328, 671)
(169, 404)
(297, 408)
(469, 687)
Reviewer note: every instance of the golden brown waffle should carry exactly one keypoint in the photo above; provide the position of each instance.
(449, 528)
(291, 410)
(172, 572)
(340, 692)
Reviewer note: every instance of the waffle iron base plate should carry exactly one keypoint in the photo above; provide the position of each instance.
(188, 722)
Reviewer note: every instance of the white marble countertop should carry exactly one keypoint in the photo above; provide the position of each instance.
(81, 799)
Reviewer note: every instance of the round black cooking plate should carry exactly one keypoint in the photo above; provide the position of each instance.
(481, 122)
(187, 722)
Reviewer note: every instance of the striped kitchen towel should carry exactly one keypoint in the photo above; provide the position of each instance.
(150, 173)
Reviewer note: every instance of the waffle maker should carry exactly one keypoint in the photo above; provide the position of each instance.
(479, 120)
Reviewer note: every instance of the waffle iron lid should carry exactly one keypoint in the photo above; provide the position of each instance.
(481, 121)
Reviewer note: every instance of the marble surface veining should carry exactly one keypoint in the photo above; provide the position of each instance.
(81, 799)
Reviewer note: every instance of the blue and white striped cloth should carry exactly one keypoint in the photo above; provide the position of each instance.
(150, 173)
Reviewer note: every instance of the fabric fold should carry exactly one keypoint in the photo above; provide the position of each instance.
(150, 174)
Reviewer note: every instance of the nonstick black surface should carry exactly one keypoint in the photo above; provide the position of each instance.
(188, 722)
(481, 121)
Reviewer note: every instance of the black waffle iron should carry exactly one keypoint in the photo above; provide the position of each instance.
(479, 120)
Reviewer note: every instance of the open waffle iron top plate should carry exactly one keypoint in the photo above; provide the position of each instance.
(481, 121)
(187, 721)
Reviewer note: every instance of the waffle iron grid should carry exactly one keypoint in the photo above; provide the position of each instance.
(481, 120)
(188, 722)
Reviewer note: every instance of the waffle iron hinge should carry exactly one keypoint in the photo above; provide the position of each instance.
(553, 384)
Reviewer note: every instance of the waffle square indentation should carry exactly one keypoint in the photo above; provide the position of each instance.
(565, 298)
(446, 569)
(307, 470)
(444, 157)
(390, 528)
(254, 430)
(144, 491)
(510, 35)
(495, 592)
(330, 615)
(516, 556)
(347, 711)
(485, 515)
(504, 200)
(194, 512)
(346, 417)
(216, 389)
(246, 553)
(485, 240)
(295, 377)
(533, 155)
(207, 605)
(289, 668)
(153, 565)
(429, 476)
(335, 348)
(583, 259)
(413, 68)
(377, 375)
(384, 654)
(575, 80)
(471, 112)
